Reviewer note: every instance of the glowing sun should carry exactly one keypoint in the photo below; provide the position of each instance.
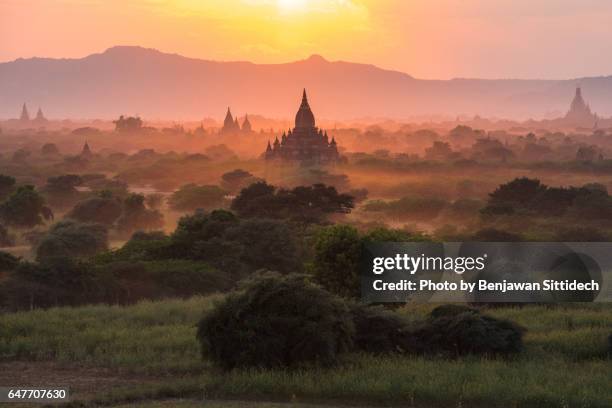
(291, 5)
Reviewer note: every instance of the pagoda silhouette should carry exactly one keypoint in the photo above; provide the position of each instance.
(305, 143)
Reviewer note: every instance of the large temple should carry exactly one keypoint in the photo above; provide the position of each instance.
(305, 144)
(580, 113)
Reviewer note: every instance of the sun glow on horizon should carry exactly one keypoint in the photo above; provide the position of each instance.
(291, 6)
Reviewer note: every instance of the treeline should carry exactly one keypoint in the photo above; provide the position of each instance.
(208, 251)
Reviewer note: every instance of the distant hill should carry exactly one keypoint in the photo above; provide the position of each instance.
(134, 80)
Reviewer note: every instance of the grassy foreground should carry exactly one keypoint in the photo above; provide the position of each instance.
(565, 363)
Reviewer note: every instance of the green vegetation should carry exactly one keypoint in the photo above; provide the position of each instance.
(563, 364)
(276, 321)
(191, 197)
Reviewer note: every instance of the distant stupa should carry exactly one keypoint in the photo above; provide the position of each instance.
(25, 115)
(246, 125)
(40, 117)
(230, 125)
(580, 113)
(86, 151)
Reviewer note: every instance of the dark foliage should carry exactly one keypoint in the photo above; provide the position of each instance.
(191, 197)
(378, 330)
(49, 149)
(24, 208)
(453, 332)
(137, 217)
(7, 185)
(308, 204)
(61, 281)
(530, 197)
(101, 210)
(60, 191)
(128, 124)
(234, 245)
(72, 239)
(495, 235)
(276, 321)
(337, 254)
(580, 234)
(238, 179)
(6, 239)
(266, 244)
(450, 310)
(8, 262)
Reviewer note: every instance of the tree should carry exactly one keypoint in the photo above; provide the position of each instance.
(20, 156)
(201, 226)
(309, 204)
(136, 216)
(191, 197)
(155, 201)
(128, 124)
(439, 151)
(49, 149)
(100, 210)
(516, 194)
(61, 192)
(24, 208)
(258, 199)
(266, 244)
(338, 252)
(6, 239)
(69, 238)
(238, 179)
(276, 321)
(7, 185)
(495, 235)
(60, 281)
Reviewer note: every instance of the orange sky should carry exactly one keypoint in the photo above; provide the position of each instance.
(425, 38)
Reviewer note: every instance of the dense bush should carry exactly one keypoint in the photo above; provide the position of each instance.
(494, 235)
(236, 245)
(238, 179)
(276, 321)
(101, 210)
(137, 217)
(24, 208)
(7, 185)
(531, 197)
(408, 208)
(192, 196)
(307, 204)
(71, 238)
(456, 331)
(338, 251)
(378, 330)
(60, 281)
(6, 238)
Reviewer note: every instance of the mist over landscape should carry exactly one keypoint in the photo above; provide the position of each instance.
(156, 85)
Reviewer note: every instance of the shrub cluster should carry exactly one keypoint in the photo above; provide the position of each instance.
(458, 330)
(276, 321)
(286, 321)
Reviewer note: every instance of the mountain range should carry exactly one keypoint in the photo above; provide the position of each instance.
(156, 85)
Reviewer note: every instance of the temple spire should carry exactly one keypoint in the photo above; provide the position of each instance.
(25, 115)
(304, 118)
(39, 115)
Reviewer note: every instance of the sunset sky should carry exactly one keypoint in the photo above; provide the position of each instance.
(427, 39)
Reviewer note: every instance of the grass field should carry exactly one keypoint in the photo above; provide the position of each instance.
(147, 353)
